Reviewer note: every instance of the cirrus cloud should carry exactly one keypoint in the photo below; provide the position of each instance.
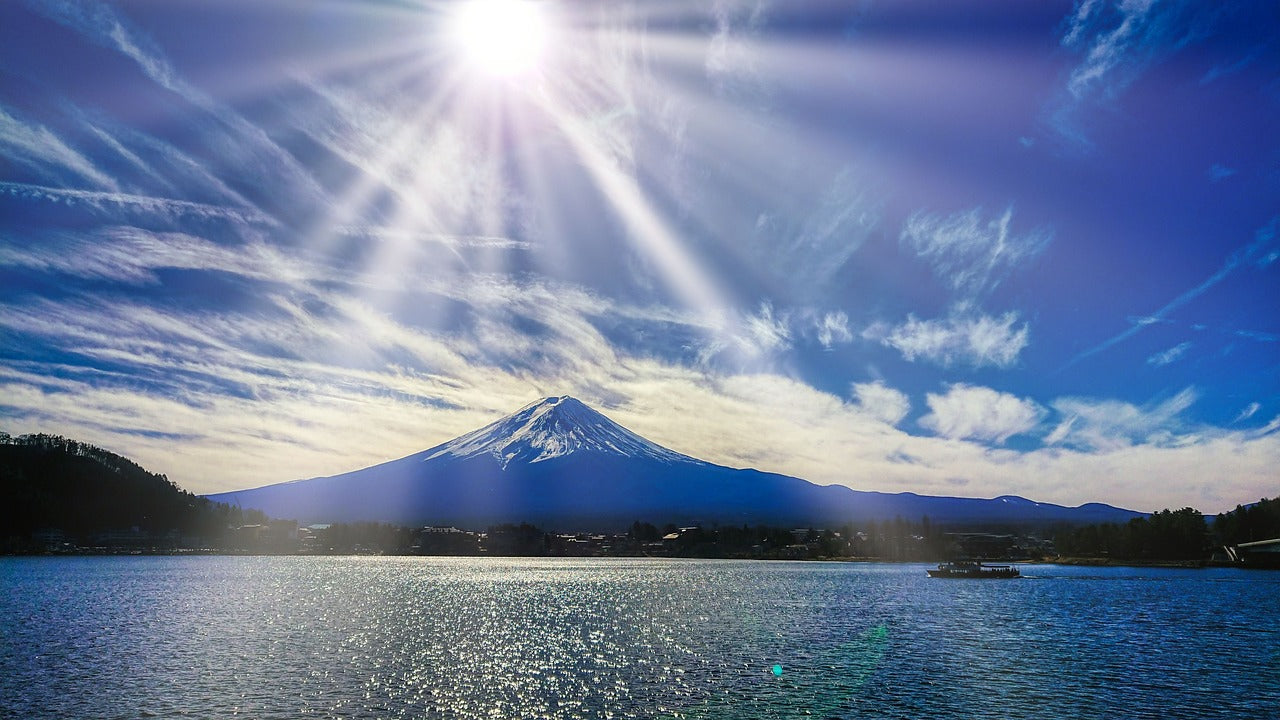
(1107, 424)
(971, 254)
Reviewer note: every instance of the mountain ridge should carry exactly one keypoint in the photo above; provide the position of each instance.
(560, 462)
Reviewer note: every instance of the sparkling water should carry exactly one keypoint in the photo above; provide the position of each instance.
(359, 637)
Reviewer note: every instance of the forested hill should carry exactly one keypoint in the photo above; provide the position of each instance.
(51, 483)
(1173, 534)
(1250, 523)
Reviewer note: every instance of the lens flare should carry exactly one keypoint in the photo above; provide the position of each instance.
(502, 38)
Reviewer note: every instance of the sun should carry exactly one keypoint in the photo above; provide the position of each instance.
(501, 38)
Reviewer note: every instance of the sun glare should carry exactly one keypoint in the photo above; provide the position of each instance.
(502, 38)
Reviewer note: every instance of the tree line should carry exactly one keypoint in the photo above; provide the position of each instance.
(1172, 535)
(86, 493)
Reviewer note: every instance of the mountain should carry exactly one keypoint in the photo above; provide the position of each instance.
(52, 483)
(562, 464)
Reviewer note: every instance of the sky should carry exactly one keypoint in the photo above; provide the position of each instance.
(969, 248)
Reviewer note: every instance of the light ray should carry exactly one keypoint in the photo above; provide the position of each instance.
(651, 234)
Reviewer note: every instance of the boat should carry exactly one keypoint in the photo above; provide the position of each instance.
(970, 569)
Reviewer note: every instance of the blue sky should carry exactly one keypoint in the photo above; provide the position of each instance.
(963, 248)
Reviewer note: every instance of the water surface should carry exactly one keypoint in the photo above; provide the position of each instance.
(285, 637)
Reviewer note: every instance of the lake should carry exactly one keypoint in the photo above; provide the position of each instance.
(368, 637)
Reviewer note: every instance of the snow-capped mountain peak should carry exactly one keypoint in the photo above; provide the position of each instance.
(553, 427)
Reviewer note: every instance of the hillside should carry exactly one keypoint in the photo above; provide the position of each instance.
(53, 483)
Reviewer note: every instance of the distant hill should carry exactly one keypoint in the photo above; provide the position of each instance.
(562, 464)
(48, 482)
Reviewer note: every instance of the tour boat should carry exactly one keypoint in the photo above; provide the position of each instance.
(969, 569)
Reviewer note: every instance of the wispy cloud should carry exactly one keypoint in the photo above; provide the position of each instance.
(39, 149)
(1249, 411)
(130, 157)
(257, 158)
(730, 60)
(966, 337)
(1107, 425)
(765, 331)
(1230, 68)
(763, 337)
(833, 329)
(412, 236)
(158, 168)
(1261, 252)
(1267, 429)
(132, 255)
(1165, 357)
(968, 412)
(1218, 173)
(1259, 336)
(111, 202)
(841, 223)
(969, 253)
(1117, 41)
(1106, 39)
(1145, 320)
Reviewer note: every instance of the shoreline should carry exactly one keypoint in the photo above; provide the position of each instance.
(1067, 561)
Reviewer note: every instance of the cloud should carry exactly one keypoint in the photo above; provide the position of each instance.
(1218, 173)
(37, 148)
(461, 188)
(841, 223)
(968, 412)
(1146, 320)
(1260, 253)
(1249, 411)
(1093, 424)
(1225, 69)
(133, 255)
(833, 328)
(730, 58)
(1116, 43)
(1161, 359)
(881, 401)
(1267, 429)
(762, 333)
(964, 337)
(111, 203)
(257, 158)
(1105, 48)
(413, 237)
(298, 389)
(970, 254)
(758, 339)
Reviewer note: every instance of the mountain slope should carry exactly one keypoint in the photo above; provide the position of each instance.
(560, 463)
(551, 428)
(49, 482)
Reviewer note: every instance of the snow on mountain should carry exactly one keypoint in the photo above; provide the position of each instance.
(561, 464)
(550, 428)
(1017, 500)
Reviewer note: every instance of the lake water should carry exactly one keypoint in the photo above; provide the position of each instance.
(354, 637)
